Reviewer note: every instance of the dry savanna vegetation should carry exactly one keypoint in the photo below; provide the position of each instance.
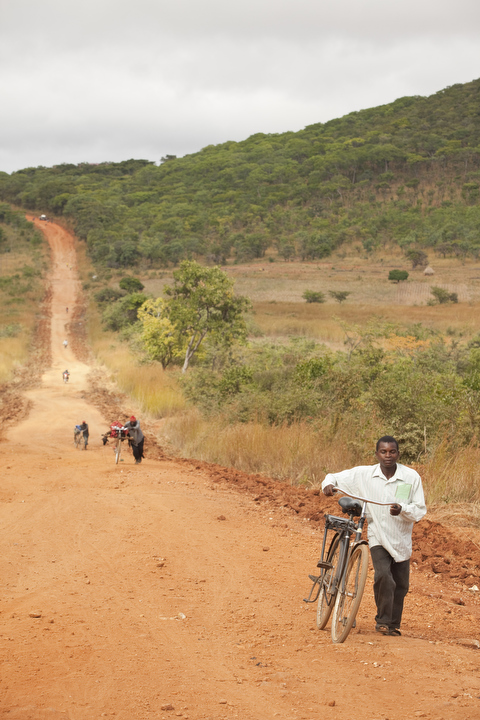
(297, 449)
(301, 449)
(23, 261)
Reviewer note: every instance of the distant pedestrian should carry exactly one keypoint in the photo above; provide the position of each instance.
(65, 344)
(67, 309)
(84, 429)
(137, 438)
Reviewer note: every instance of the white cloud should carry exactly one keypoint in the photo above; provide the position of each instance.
(110, 80)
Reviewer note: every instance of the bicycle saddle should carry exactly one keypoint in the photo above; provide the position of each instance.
(350, 506)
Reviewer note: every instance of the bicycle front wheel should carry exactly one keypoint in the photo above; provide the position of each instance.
(76, 439)
(349, 596)
(118, 450)
(328, 590)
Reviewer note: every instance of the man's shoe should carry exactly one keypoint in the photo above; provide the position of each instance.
(394, 631)
(381, 628)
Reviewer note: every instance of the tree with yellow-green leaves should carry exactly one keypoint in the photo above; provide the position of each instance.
(157, 334)
(202, 303)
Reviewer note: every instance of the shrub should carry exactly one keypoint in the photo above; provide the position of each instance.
(442, 296)
(29, 272)
(12, 330)
(397, 275)
(313, 297)
(339, 295)
(107, 294)
(131, 284)
(123, 312)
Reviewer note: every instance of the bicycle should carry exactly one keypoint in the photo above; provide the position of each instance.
(78, 438)
(344, 567)
(122, 435)
(117, 449)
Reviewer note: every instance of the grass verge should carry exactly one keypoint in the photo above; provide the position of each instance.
(155, 390)
(302, 454)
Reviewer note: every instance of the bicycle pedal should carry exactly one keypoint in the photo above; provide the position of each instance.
(324, 565)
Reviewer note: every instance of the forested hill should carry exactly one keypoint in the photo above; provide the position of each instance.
(407, 172)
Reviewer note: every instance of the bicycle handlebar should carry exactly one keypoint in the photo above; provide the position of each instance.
(362, 499)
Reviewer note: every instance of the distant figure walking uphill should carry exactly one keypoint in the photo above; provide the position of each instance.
(137, 438)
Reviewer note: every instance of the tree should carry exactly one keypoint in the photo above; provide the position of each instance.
(202, 303)
(312, 296)
(286, 249)
(442, 296)
(418, 258)
(107, 295)
(123, 312)
(131, 284)
(397, 275)
(339, 295)
(151, 247)
(318, 245)
(157, 333)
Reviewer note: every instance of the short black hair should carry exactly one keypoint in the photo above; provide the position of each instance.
(386, 439)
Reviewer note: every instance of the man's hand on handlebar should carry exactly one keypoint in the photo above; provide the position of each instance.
(395, 508)
(329, 490)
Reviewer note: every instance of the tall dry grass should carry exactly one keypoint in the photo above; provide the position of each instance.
(302, 454)
(299, 453)
(452, 476)
(13, 352)
(323, 322)
(154, 389)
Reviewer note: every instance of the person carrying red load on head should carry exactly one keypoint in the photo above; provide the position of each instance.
(136, 437)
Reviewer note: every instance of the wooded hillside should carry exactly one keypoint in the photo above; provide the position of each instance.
(407, 173)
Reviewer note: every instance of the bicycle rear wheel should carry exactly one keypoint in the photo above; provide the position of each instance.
(326, 598)
(349, 597)
(118, 450)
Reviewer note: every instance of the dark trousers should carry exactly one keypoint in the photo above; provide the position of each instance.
(138, 450)
(390, 586)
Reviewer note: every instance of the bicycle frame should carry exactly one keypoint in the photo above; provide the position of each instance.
(339, 587)
(338, 580)
(345, 528)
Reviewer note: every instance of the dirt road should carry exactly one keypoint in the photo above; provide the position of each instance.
(174, 589)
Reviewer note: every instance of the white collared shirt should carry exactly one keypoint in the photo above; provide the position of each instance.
(393, 532)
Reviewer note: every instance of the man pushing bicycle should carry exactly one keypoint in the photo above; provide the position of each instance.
(389, 527)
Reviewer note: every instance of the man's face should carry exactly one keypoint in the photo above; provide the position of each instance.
(387, 454)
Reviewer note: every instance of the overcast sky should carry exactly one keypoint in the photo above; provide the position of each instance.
(100, 80)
